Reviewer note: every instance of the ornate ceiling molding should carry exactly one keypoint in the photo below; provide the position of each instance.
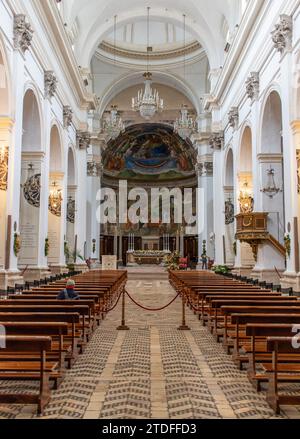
(154, 55)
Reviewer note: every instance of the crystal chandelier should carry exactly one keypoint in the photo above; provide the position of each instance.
(271, 189)
(184, 125)
(148, 101)
(113, 125)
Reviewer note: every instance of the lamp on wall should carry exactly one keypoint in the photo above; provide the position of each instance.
(246, 199)
(271, 189)
(3, 167)
(55, 199)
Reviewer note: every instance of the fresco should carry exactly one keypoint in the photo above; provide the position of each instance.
(149, 152)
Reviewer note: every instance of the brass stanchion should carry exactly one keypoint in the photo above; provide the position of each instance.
(183, 326)
(123, 326)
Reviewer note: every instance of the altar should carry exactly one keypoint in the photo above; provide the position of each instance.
(140, 257)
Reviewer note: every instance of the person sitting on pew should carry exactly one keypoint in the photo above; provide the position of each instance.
(69, 292)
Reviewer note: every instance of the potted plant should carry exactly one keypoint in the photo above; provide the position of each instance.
(171, 261)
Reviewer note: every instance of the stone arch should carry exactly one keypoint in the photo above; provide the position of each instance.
(271, 157)
(32, 129)
(56, 210)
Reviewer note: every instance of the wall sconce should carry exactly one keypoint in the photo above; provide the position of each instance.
(3, 167)
(245, 199)
(271, 189)
(55, 200)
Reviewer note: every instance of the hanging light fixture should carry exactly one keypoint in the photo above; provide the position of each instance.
(148, 101)
(113, 125)
(246, 199)
(185, 124)
(271, 189)
(55, 200)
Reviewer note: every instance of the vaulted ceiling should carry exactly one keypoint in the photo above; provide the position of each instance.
(116, 62)
(91, 22)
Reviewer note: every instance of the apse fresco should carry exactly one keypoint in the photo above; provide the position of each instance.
(149, 152)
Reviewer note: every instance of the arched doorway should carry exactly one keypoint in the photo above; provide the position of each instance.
(30, 197)
(229, 244)
(244, 197)
(56, 211)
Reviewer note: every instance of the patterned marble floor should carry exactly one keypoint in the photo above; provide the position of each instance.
(152, 371)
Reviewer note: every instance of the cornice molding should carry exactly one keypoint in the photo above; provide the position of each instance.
(269, 158)
(155, 55)
(173, 63)
(48, 14)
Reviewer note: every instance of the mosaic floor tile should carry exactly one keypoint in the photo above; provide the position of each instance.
(151, 371)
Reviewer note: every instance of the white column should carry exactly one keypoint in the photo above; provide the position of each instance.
(80, 216)
(218, 207)
(14, 176)
(290, 134)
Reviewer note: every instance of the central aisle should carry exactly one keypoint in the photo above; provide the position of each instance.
(154, 370)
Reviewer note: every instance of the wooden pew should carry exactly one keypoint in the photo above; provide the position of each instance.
(276, 373)
(72, 319)
(257, 348)
(37, 345)
(55, 330)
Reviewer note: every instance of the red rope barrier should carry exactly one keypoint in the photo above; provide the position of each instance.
(151, 309)
(192, 306)
(115, 305)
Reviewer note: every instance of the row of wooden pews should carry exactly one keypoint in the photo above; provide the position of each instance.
(44, 335)
(256, 326)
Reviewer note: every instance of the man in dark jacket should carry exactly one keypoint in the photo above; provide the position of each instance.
(68, 293)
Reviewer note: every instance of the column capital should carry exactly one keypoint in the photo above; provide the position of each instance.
(216, 141)
(233, 117)
(252, 86)
(50, 83)
(67, 115)
(83, 139)
(23, 33)
(283, 33)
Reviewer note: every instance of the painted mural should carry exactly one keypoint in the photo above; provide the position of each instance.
(149, 152)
